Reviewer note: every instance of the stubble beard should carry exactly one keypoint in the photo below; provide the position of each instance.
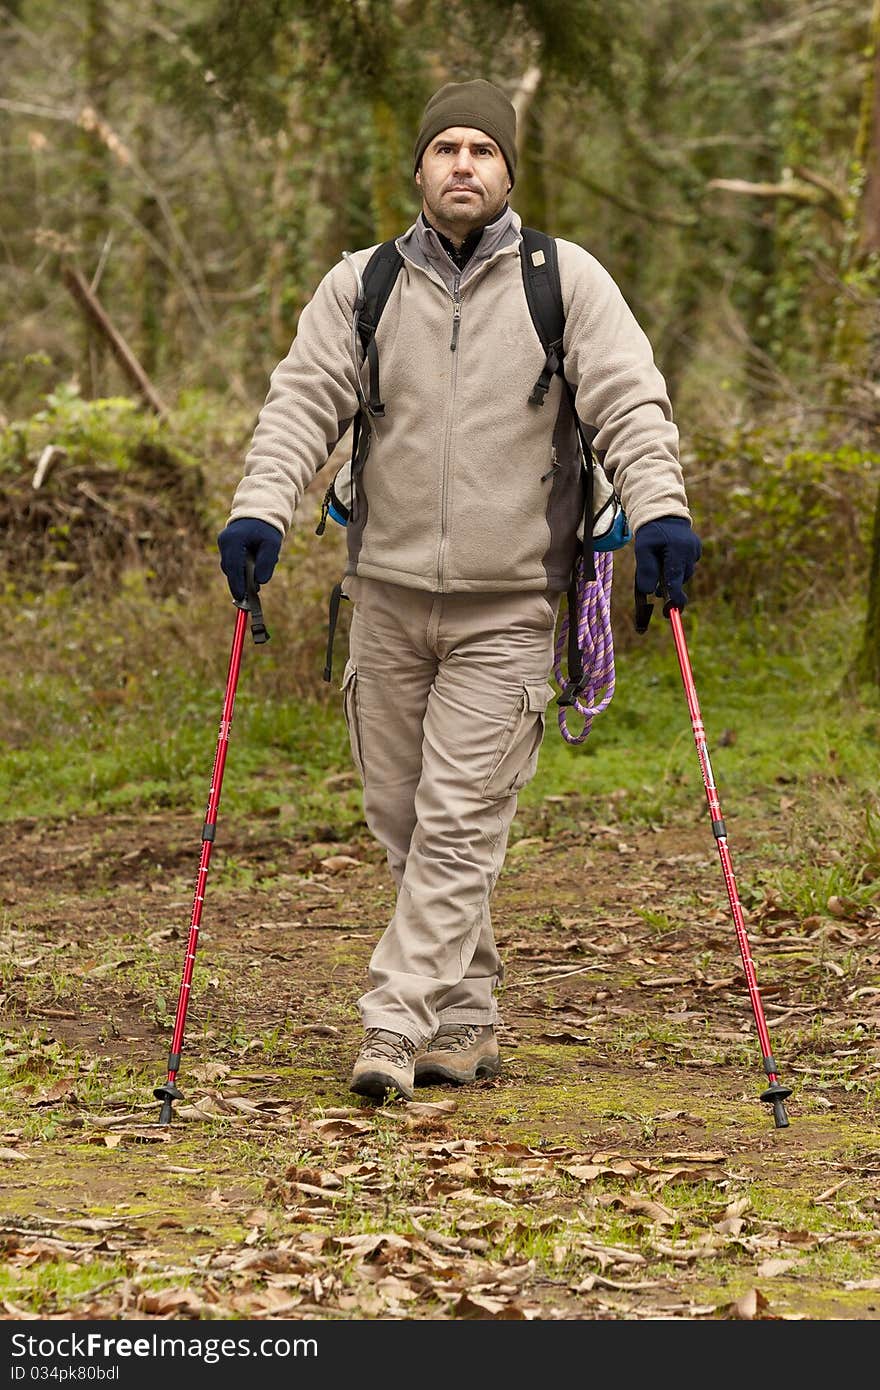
(457, 220)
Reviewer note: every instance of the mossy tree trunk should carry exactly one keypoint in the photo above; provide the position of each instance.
(152, 268)
(95, 177)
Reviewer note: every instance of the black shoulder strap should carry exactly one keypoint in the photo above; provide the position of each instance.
(540, 272)
(543, 289)
(380, 274)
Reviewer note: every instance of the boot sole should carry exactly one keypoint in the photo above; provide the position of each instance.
(377, 1084)
(432, 1075)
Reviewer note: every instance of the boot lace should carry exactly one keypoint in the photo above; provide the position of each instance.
(385, 1046)
(454, 1037)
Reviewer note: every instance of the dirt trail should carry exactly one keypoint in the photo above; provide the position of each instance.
(622, 1166)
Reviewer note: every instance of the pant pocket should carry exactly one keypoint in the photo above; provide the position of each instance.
(352, 715)
(516, 757)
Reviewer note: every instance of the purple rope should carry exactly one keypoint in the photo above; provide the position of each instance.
(596, 645)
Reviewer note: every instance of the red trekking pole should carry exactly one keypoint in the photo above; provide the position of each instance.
(775, 1093)
(168, 1092)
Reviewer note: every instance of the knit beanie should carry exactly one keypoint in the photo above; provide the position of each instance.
(478, 105)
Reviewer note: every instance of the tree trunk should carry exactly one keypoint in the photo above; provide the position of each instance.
(152, 270)
(531, 180)
(387, 154)
(868, 661)
(868, 151)
(95, 184)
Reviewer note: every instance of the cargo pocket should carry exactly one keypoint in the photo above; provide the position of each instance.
(516, 758)
(352, 715)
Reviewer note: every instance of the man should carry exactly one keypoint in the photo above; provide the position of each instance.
(462, 538)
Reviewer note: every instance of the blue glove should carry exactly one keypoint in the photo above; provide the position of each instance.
(248, 536)
(666, 552)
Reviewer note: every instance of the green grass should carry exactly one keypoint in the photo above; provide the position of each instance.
(125, 717)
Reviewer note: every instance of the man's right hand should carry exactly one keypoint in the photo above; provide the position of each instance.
(248, 536)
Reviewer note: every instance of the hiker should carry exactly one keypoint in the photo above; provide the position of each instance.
(462, 538)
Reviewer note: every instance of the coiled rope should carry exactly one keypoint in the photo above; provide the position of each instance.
(595, 686)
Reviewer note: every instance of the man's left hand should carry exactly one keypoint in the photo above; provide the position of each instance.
(666, 552)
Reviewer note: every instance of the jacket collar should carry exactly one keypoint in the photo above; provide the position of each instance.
(422, 246)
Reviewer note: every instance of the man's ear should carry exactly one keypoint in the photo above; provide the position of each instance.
(419, 176)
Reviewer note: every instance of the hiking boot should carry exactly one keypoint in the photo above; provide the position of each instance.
(458, 1052)
(384, 1063)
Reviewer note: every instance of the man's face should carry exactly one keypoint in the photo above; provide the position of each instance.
(464, 180)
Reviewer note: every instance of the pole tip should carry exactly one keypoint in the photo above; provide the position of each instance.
(775, 1095)
(779, 1114)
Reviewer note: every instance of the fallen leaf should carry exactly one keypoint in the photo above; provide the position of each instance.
(641, 1206)
(65, 1089)
(769, 1269)
(430, 1107)
(748, 1306)
(471, 1305)
(179, 1302)
(209, 1071)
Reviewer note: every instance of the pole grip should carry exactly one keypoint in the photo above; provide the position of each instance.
(251, 603)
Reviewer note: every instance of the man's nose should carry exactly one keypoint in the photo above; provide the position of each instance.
(464, 163)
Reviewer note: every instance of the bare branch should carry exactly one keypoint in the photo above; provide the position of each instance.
(791, 189)
(668, 219)
(97, 315)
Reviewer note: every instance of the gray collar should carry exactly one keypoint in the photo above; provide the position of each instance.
(423, 247)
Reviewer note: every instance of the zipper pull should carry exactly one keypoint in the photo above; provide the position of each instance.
(456, 324)
(554, 464)
(456, 313)
(325, 509)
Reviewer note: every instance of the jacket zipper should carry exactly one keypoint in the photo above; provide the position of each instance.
(456, 313)
(444, 492)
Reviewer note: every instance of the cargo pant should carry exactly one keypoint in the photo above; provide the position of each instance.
(445, 697)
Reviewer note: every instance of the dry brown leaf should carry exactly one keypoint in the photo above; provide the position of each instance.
(583, 1172)
(259, 1216)
(65, 1089)
(640, 1206)
(174, 1302)
(730, 1225)
(770, 1269)
(749, 1306)
(737, 1208)
(430, 1107)
(209, 1071)
(111, 1139)
(336, 863)
(340, 1129)
(472, 1305)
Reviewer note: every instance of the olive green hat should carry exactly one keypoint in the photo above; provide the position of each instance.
(478, 105)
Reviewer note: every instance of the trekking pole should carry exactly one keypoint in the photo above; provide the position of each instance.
(775, 1093)
(168, 1092)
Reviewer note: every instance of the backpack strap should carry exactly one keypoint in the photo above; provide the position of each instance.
(540, 272)
(543, 289)
(379, 277)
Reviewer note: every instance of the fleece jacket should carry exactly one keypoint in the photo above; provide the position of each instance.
(466, 485)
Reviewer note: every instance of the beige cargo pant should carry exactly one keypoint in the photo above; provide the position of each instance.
(445, 698)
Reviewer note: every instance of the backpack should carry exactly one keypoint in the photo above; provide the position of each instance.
(603, 526)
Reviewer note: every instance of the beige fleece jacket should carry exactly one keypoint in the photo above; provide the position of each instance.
(467, 486)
